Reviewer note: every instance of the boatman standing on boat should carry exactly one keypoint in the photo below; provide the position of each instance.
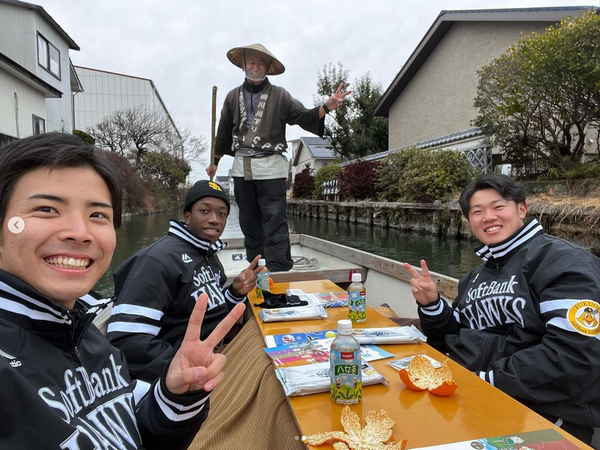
(156, 288)
(252, 130)
(527, 319)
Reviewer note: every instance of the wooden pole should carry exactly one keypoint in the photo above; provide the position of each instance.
(212, 131)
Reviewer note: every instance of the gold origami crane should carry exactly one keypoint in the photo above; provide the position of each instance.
(374, 436)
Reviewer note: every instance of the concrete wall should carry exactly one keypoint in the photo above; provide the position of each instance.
(438, 101)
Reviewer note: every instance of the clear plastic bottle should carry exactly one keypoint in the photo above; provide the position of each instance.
(357, 300)
(262, 279)
(345, 365)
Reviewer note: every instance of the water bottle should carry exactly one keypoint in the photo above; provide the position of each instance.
(262, 279)
(357, 300)
(345, 365)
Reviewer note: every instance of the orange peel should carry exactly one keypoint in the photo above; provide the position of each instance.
(421, 375)
(374, 436)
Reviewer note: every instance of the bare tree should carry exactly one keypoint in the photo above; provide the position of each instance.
(137, 130)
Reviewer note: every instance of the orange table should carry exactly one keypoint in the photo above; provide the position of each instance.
(475, 410)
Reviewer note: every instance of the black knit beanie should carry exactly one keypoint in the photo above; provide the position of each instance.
(205, 188)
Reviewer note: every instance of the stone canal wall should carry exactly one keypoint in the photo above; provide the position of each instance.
(445, 218)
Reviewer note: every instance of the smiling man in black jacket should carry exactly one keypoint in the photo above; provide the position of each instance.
(526, 320)
(156, 289)
(63, 385)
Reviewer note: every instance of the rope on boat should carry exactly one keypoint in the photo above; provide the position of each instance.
(304, 264)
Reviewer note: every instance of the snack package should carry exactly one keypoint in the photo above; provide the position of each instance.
(314, 378)
(389, 335)
(295, 313)
(403, 363)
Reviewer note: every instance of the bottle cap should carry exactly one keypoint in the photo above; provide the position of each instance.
(344, 327)
(262, 262)
(356, 277)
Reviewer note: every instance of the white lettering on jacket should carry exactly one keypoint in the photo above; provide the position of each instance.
(489, 306)
(207, 283)
(110, 424)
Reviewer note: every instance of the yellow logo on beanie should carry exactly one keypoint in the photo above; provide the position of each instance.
(215, 186)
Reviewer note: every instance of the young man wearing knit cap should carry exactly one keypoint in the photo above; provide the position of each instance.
(156, 289)
(252, 130)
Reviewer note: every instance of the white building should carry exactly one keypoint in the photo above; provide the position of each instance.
(312, 151)
(36, 76)
(107, 92)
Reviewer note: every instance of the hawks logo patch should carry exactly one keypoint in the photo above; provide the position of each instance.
(215, 186)
(584, 317)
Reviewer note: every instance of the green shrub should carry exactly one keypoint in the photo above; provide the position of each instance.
(84, 137)
(390, 176)
(304, 184)
(325, 173)
(420, 175)
(357, 181)
(582, 171)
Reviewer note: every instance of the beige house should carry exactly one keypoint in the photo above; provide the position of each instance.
(430, 102)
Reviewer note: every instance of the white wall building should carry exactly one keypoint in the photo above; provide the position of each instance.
(312, 151)
(107, 92)
(36, 79)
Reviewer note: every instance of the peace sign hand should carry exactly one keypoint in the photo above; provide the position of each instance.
(424, 288)
(195, 366)
(246, 281)
(336, 100)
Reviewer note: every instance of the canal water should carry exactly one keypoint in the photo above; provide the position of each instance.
(453, 257)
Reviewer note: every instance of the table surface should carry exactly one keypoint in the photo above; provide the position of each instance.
(475, 410)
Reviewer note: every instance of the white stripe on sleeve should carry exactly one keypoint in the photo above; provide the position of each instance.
(168, 407)
(128, 327)
(135, 310)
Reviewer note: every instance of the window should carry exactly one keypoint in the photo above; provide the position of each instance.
(48, 56)
(39, 125)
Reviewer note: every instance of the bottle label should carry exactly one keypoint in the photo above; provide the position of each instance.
(346, 377)
(357, 306)
(262, 283)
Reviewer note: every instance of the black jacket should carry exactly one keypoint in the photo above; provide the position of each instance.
(156, 291)
(64, 386)
(527, 322)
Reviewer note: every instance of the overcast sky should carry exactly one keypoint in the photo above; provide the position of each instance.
(181, 45)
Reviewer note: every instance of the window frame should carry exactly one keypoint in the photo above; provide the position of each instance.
(38, 120)
(44, 47)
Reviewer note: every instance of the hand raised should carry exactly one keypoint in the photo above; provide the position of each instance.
(424, 288)
(246, 281)
(336, 100)
(195, 366)
(211, 171)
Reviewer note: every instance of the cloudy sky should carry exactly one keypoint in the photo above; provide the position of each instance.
(181, 45)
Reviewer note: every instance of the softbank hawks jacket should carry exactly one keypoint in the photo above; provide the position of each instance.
(527, 322)
(63, 386)
(156, 291)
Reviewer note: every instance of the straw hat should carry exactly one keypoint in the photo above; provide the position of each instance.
(236, 56)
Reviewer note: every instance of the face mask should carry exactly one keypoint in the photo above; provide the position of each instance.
(255, 75)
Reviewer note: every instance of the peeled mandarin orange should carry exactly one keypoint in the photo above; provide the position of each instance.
(422, 375)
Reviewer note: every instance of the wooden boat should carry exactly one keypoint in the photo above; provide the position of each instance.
(386, 280)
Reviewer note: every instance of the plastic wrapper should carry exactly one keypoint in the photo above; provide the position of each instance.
(389, 335)
(310, 312)
(315, 378)
(403, 363)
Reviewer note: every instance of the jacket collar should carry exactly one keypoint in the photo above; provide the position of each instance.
(255, 88)
(527, 232)
(23, 305)
(180, 230)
